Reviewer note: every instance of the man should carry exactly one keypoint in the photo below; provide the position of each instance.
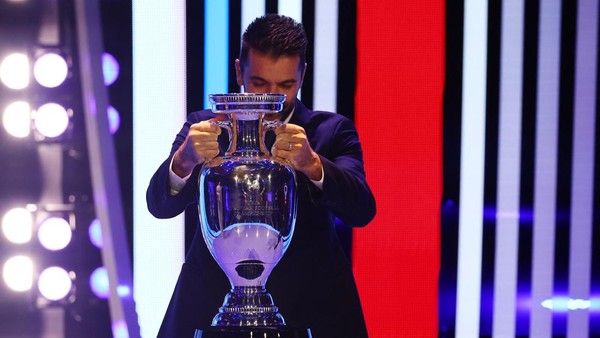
(312, 285)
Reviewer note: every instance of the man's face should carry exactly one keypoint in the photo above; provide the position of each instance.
(265, 74)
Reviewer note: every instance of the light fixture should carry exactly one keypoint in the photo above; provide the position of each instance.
(110, 68)
(17, 225)
(18, 273)
(50, 70)
(55, 283)
(16, 119)
(95, 233)
(51, 120)
(114, 119)
(14, 71)
(99, 283)
(55, 233)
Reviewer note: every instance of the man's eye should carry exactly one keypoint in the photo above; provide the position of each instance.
(258, 84)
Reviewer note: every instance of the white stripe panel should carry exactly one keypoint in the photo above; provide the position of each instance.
(325, 55)
(159, 107)
(472, 168)
(509, 169)
(251, 9)
(291, 8)
(582, 187)
(546, 153)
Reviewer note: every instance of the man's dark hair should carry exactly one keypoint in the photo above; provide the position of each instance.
(274, 35)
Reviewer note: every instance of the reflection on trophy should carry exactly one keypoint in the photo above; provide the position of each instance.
(247, 208)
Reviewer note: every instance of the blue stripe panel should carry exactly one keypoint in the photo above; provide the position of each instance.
(216, 47)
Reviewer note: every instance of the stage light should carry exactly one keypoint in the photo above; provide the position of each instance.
(110, 68)
(17, 225)
(54, 283)
(18, 273)
(99, 283)
(114, 119)
(14, 71)
(95, 233)
(55, 233)
(119, 329)
(51, 120)
(17, 119)
(50, 70)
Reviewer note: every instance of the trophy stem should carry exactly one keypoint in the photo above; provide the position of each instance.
(248, 306)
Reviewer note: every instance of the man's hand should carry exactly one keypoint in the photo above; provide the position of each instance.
(200, 145)
(291, 144)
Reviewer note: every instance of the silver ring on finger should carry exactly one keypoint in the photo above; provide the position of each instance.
(289, 146)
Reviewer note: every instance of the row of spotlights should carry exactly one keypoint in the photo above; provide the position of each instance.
(54, 233)
(51, 120)
(50, 70)
(54, 283)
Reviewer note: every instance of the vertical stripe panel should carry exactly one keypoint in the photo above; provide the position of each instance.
(583, 164)
(325, 55)
(546, 159)
(509, 165)
(216, 50)
(291, 8)
(251, 9)
(159, 107)
(472, 168)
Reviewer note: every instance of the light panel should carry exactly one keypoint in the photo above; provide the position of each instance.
(159, 109)
(470, 236)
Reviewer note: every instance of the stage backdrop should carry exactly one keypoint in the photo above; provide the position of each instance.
(380, 63)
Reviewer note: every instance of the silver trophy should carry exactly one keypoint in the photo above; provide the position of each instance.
(247, 207)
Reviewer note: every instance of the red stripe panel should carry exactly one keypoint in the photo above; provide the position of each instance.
(400, 77)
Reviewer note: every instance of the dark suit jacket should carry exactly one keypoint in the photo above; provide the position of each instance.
(312, 285)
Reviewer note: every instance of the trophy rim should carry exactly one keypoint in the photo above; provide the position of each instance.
(241, 98)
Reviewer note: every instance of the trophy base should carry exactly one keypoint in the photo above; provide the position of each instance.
(253, 332)
(248, 306)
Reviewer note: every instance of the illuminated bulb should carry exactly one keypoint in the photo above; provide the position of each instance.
(18, 273)
(55, 233)
(50, 70)
(110, 68)
(99, 283)
(14, 71)
(95, 233)
(51, 120)
(54, 283)
(114, 119)
(17, 119)
(17, 225)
